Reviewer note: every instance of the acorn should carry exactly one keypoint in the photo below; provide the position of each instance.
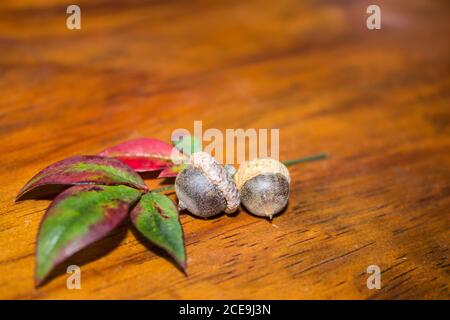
(206, 188)
(263, 185)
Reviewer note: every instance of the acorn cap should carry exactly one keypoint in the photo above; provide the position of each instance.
(219, 177)
(253, 168)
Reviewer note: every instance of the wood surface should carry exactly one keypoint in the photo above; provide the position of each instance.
(376, 101)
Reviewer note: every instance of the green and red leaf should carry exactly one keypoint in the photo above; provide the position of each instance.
(143, 154)
(79, 170)
(185, 145)
(172, 171)
(156, 217)
(78, 217)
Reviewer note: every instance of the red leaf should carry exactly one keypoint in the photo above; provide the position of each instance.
(143, 154)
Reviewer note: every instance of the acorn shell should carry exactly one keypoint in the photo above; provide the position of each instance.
(266, 194)
(264, 186)
(206, 188)
(197, 194)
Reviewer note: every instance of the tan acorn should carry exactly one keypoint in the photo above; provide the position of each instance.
(263, 186)
(206, 188)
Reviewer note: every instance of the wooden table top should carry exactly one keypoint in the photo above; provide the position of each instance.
(376, 101)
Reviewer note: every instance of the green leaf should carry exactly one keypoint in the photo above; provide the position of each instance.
(78, 217)
(188, 144)
(156, 217)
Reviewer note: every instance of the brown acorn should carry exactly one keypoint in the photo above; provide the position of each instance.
(263, 186)
(206, 188)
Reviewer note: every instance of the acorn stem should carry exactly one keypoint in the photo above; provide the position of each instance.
(314, 157)
(171, 187)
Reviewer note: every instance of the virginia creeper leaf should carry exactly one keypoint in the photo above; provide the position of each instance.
(85, 170)
(156, 217)
(143, 154)
(78, 217)
(188, 144)
(172, 171)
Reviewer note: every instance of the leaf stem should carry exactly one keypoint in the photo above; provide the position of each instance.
(171, 187)
(314, 157)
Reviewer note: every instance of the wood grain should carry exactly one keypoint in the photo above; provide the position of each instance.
(377, 101)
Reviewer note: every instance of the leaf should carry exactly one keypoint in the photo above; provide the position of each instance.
(85, 170)
(188, 144)
(78, 217)
(172, 171)
(156, 217)
(143, 154)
